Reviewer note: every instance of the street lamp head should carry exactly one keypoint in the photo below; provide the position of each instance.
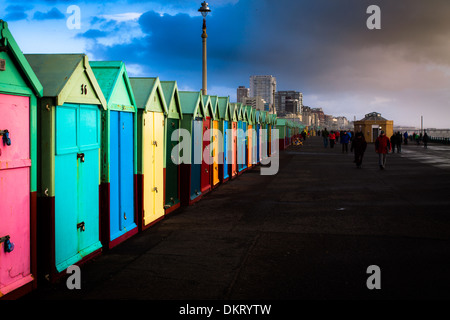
(204, 10)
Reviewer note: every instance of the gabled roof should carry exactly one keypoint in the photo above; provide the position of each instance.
(263, 116)
(8, 41)
(233, 111)
(146, 90)
(170, 90)
(241, 111)
(249, 111)
(108, 75)
(207, 105)
(57, 71)
(215, 106)
(192, 103)
(257, 116)
(224, 108)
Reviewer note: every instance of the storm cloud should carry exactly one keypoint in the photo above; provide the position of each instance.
(322, 48)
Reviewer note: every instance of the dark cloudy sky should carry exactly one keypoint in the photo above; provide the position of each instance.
(322, 48)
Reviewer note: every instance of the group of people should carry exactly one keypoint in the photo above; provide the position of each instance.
(358, 144)
(396, 141)
(418, 138)
(383, 146)
(334, 136)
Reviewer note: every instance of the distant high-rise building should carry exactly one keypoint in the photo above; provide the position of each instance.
(264, 87)
(288, 102)
(242, 93)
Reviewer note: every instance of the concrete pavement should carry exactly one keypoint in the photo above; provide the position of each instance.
(309, 232)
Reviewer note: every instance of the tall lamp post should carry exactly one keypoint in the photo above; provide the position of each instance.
(204, 10)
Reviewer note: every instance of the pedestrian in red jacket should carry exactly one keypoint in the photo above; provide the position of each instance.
(382, 147)
(332, 138)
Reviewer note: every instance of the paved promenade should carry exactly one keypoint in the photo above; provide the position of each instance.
(309, 232)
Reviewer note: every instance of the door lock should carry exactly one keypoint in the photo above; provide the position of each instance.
(81, 226)
(6, 139)
(9, 246)
(80, 156)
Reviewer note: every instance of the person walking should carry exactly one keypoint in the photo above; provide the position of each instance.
(425, 140)
(345, 139)
(337, 134)
(382, 147)
(359, 145)
(325, 135)
(398, 141)
(332, 138)
(393, 142)
(405, 135)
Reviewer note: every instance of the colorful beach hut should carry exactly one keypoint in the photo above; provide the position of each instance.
(233, 140)
(191, 151)
(152, 111)
(255, 139)
(216, 138)
(241, 138)
(264, 135)
(225, 120)
(282, 135)
(207, 164)
(172, 137)
(69, 136)
(274, 141)
(258, 136)
(19, 90)
(118, 154)
(269, 119)
(250, 121)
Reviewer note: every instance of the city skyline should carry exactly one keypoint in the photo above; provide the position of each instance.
(322, 48)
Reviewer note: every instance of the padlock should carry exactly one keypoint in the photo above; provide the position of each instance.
(9, 246)
(80, 156)
(6, 139)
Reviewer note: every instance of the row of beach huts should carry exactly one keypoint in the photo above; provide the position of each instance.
(87, 157)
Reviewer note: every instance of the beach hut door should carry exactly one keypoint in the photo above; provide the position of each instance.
(15, 166)
(76, 183)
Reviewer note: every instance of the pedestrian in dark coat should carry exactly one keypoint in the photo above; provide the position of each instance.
(393, 142)
(425, 140)
(325, 135)
(345, 139)
(359, 146)
(398, 142)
